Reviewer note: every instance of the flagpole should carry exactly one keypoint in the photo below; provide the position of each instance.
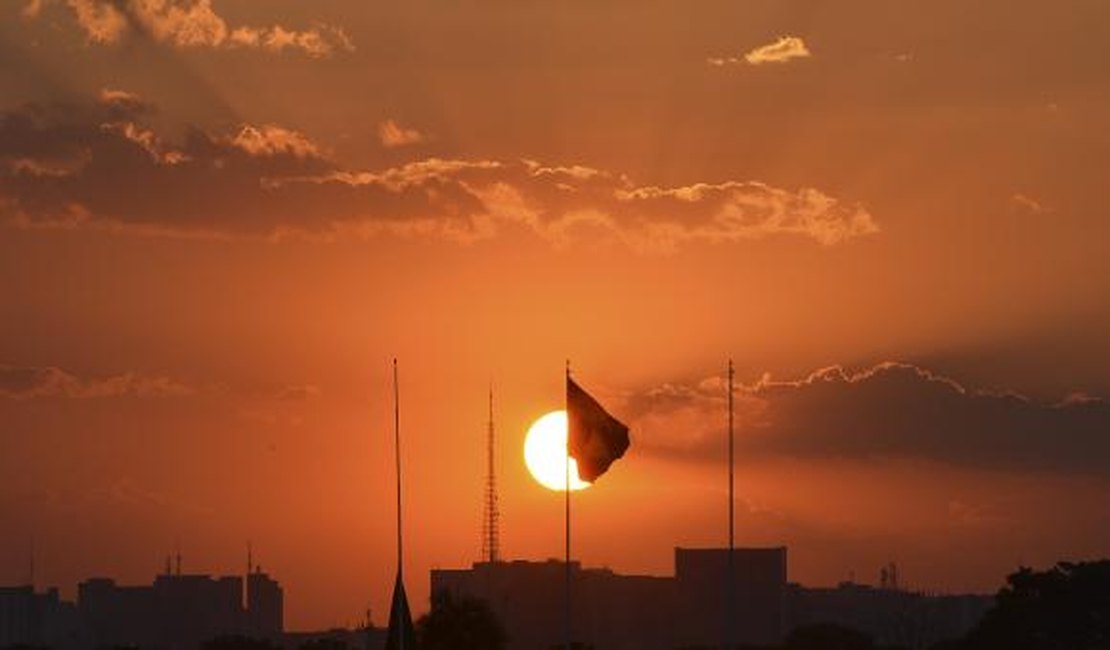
(402, 642)
(731, 579)
(566, 491)
(397, 458)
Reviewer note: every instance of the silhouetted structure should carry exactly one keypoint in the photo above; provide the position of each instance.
(265, 605)
(618, 612)
(491, 515)
(37, 619)
(889, 616)
(758, 588)
(179, 610)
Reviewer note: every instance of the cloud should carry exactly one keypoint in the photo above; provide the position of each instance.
(298, 392)
(891, 410)
(786, 48)
(394, 135)
(127, 102)
(1024, 203)
(147, 140)
(32, 9)
(319, 42)
(192, 24)
(62, 168)
(24, 383)
(272, 140)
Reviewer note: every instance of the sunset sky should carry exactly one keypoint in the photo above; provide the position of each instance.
(221, 219)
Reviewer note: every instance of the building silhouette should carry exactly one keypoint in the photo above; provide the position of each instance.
(759, 589)
(621, 612)
(37, 619)
(610, 611)
(265, 613)
(178, 611)
(888, 614)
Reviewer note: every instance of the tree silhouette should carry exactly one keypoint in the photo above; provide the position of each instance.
(460, 624)
(1065, 608)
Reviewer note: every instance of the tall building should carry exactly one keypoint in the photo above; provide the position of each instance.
(179, 611)
(37, 619)
(190, 609)
(621, 612)
(265, 606)
(609, 610)
(115, 615)
(759, 593)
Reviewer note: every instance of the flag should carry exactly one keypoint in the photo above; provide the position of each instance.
(401, 634)
(596, 438)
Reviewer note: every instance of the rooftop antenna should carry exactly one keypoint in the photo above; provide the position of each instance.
(491, 543)
(247, 578)
(178, 567)
(31, 566)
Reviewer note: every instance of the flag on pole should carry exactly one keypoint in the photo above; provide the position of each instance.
(401, 634)
(595, 438)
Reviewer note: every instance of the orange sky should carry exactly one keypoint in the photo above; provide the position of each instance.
(219, 221)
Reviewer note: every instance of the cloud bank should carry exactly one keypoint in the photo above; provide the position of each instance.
(102, 167)
(189, 24)
(891, 410)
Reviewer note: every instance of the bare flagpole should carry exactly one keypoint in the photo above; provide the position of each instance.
(402, 643)
(730, 615)
(566, 491)
(397, 457)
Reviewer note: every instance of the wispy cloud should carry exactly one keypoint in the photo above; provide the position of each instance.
(391, 134)
(192, 24)
(270, 181)
(23, 383)
(786, 48)
(1025, 203)
(298, 392)
(272, 140)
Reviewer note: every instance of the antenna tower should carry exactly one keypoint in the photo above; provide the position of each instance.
(491, 543)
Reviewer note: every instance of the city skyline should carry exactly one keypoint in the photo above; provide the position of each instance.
(251, 603)
(220, 220)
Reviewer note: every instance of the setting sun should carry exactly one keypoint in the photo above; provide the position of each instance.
(545, 453)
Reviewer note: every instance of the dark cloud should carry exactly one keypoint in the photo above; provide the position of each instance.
(102, 166)
(891, 410)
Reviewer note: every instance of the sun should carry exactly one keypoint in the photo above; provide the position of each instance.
(545, 453)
